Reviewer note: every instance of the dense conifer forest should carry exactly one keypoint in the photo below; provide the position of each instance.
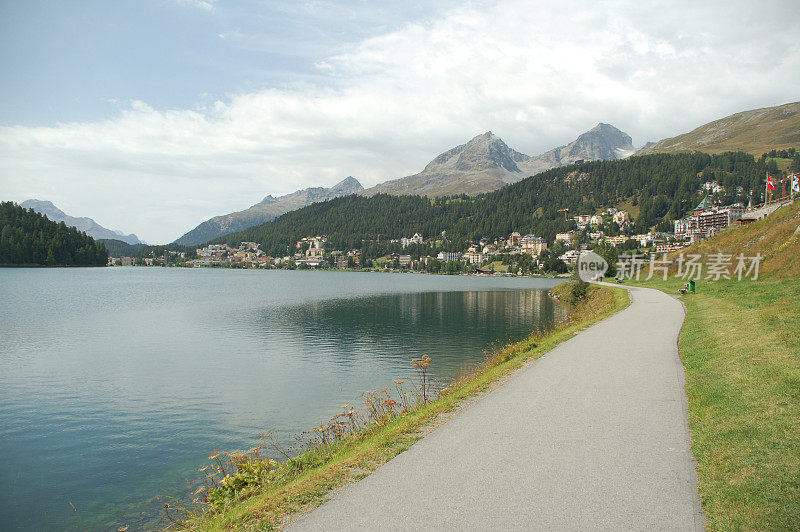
(27, 237)
(660, 188)
(118, 248)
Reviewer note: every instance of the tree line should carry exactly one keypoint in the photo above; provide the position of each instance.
(664, 187)
(27, 237)
(791, 153)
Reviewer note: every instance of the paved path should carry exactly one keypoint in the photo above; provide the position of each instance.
(591, 436)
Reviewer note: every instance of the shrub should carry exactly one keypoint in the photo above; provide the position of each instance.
(579, 289)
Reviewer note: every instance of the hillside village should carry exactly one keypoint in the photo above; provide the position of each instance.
(610, 230)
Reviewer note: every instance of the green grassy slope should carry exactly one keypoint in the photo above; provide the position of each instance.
(776, 238)
(740, 348)
(756, 132)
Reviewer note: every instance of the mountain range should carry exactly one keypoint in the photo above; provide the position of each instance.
(267, 209)
(486, 163)
(655, 189)
(87, 225)
(483, 164)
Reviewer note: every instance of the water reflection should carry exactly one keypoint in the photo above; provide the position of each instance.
(449, 325)
(115, 384)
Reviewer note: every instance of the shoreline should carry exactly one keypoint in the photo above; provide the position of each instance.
(155, 283)
(303, 482)
(564, 276)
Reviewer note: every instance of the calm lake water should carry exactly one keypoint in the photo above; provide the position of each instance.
(116, 383)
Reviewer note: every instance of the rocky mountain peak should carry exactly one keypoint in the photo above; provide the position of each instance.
(43, 207)
(486, 151)
(345, 187)
(483, 142)
(609, 132)
(486, 163)
(603, 141)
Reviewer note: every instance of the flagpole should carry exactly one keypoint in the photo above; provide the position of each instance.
(783, 189)
(766, 188)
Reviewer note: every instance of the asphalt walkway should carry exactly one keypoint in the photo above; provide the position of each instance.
(593, 435)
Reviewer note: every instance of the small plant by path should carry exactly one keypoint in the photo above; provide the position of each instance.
(357, 441)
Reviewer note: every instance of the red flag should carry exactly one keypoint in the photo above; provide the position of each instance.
(770, 185)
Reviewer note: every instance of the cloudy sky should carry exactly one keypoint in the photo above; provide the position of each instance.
(151, 116)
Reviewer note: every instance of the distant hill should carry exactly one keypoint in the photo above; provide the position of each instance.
(662, 187)
(28, 238)
(118, 248)
(483, 164)
(756, 132)
(87, 225)
(267, 209)
(486, 163)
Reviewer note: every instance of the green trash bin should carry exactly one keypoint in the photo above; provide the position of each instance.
(691, 286)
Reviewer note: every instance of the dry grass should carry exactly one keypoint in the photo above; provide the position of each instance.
(756, 132)
(303, 482)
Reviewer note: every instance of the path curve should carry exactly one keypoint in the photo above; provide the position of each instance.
(593, 435)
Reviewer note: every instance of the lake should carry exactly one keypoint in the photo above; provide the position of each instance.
(116, 383)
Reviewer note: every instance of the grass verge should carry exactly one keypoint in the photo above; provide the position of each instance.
(303, 482)
(741, 354)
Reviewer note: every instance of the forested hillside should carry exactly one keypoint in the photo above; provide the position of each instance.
(27, 237)
(118, 248)
(662, 186)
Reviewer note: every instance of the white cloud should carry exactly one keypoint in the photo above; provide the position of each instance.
(537, 74)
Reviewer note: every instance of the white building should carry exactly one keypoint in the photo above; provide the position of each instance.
(571, 256)
(534, 245)
(448, 256)
(248, 246)
(644, 239)
(712, 187)
(616, 240)
(416, 239)
(581, 220)
(595, 236)
(706, 222)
